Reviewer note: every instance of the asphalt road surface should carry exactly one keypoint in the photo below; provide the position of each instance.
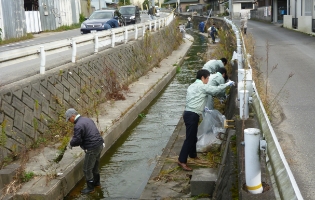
(292, 52)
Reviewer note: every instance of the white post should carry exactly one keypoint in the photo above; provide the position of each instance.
(239, 49)
(252, 161)
(154, 25)
(113, 39)
(238, 42)
(150, 26)
(244, 98)
(244, 74)
(240, 61)
(74, 50)
(245, 85)
(126, 35)
(96, 43)
(237, 35)
(159, 24)
(136, 32)
(42, 60)
(143, 30)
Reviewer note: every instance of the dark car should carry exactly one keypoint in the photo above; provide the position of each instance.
(98, 19)
(131, 14)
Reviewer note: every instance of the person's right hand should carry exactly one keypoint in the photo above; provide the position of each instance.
(230, 83)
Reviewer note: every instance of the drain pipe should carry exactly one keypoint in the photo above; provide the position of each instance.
(252, 162)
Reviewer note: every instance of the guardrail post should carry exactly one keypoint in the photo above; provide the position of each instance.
(126, 35)
(150, 26)
(159, 24)
(252, 162)
(239, 49)
(136, 32)
(96, 43)
(113, 39)
(240, 61)
(244, 100)
(143, 30)
(154, 25)
(74, 50)
(42, 60)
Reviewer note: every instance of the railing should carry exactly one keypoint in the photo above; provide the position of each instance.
(109, 37)
(313, 25)
(284, 179)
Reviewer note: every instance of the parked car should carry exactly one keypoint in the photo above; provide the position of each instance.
(98, 19)
(131, 14)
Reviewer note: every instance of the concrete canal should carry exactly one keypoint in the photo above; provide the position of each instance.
(128, 164)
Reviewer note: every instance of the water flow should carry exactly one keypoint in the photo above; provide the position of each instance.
(127, 166)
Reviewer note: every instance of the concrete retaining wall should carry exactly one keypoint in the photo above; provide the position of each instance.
(28, 106)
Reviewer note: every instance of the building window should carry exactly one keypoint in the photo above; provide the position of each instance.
(30, 5)
(247, 5)
(308, 8)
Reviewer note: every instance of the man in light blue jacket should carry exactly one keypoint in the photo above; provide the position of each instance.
(215, 80)
(195, 104)
(213, 65)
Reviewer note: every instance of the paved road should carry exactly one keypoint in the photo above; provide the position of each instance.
(292, 52)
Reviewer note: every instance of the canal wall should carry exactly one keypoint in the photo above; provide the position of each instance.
(28, 107)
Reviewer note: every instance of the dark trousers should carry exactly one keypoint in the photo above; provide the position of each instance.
(213, 37)
(92, 162)
(191, 120)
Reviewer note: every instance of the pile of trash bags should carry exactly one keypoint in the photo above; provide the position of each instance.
(209, 131)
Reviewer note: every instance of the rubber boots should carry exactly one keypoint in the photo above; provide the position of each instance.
(96, 180)
(89, 188)
(245, 30)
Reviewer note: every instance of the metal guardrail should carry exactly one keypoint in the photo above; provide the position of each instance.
(285, 181)
(111, 36)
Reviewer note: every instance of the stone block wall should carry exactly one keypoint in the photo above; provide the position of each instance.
(28, 106)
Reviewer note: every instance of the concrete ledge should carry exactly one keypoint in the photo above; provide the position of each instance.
(203, 181)
(117, 119)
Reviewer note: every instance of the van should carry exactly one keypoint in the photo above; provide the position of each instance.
(131, 14)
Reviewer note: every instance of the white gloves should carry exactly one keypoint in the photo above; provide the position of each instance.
(230, 83)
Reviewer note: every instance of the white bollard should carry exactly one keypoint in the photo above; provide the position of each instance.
(244, 100)
(238, 42)
(126, 35)
(74, 50)
(237, 35)
(136, 32)
(143, 30)
(239, 49)
(240, 61)
(150, 26)
(113, 39)
(96, 43)
(244, 74)
(245, 85)
(42, 60)
(252, 161)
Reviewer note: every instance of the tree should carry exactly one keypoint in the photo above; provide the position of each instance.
(124, 2)
(146, 5)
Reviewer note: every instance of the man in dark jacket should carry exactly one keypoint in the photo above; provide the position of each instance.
(87, 136)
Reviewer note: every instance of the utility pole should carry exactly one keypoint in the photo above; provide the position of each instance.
(99, 4)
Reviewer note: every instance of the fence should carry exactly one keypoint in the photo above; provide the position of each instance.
(109, 37)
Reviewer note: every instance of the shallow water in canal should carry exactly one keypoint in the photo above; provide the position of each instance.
(128, 164)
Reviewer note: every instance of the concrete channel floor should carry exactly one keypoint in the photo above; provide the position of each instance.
(115, 118)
